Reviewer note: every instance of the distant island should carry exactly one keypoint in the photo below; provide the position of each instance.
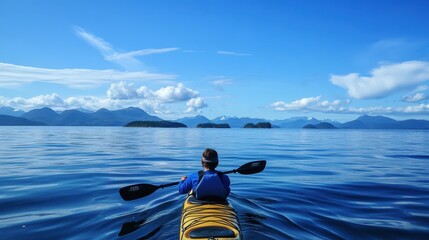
(104, 117)
(156, 124)
(322, 125)
(213, 125)
(258, 125)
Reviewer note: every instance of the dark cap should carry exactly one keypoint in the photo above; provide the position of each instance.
(209, 160)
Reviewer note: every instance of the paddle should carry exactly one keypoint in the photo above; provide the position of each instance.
(130, 227)
(137, 191)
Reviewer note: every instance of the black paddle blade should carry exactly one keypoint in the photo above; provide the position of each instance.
(136, 191)
(130, 227)
(252, 167)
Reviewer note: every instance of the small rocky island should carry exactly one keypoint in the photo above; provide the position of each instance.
(156, 124)
(213, 125)
(258, 125)
(322, 125)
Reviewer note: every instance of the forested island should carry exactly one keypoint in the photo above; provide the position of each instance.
(213, 125)
(157, 124)
(322, 125)
(258, 125)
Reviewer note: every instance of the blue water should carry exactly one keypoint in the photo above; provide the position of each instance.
(63, 182)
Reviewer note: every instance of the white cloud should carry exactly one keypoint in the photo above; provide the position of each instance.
(11, 75)
(119, 95)
(153, 101)
(92, 103)
(153, 107)
(342, 107)
(384, 80)
(412, 110)
(229, 53)
(122, 90)
(195, 105)
(54, 101)
(301, 104)
(175, 93)
(126, 59)
(144, 92)
(416, 109)
(415, 98)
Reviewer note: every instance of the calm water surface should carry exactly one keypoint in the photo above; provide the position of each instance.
(63, 182)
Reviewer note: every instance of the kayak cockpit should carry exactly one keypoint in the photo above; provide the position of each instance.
(207, 219)
(212, 232)
(193, 200)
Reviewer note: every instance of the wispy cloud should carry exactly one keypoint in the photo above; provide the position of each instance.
(12, 75)
(129, 55)
(104, 47)
(220, 82)
(395, 47)
(316, 104)
(229, 53)
(384, 80)
(390, 43)
(126, 59)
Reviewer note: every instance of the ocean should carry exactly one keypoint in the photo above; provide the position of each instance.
(63, 182)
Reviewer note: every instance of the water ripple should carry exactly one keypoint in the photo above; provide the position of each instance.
(62, 182)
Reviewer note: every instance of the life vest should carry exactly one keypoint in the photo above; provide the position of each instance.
(210, 186)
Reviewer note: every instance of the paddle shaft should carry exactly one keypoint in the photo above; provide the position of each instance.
(136, 191)
(169, 184)
(176, 183)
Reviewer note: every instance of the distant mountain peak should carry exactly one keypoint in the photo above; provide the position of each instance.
(193, 121)
(10, 111)
(102, 110)
(375, 118)
(133, 109)
(223, 118)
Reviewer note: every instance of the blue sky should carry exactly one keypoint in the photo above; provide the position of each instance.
(272, 59)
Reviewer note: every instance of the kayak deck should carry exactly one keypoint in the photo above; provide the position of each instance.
(208, 220)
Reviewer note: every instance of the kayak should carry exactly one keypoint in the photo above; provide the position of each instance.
(209, 220)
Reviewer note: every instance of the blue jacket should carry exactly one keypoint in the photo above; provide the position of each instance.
(209, 185)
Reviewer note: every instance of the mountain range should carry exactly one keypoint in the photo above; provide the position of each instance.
(104, 117)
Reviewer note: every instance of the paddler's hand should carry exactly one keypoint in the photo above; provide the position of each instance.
(184, 178)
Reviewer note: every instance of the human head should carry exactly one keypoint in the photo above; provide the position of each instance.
(209, 159)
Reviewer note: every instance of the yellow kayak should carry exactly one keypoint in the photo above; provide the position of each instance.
(208, 220)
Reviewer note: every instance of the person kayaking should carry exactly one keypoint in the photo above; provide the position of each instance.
(208, 184)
